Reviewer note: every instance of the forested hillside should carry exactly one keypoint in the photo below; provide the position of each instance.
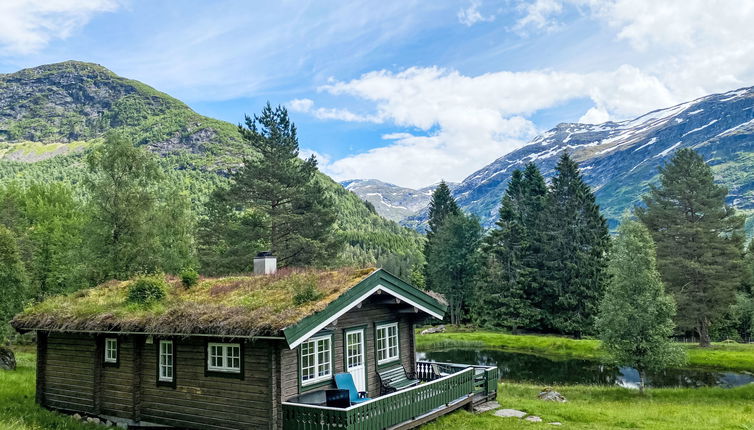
(51, 115)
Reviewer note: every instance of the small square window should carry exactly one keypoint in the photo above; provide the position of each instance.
(224, 357)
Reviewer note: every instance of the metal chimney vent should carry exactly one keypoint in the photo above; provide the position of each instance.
(265, 263)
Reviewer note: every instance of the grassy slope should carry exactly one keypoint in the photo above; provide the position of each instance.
(720, 355)
(588, 407)
(592, 407)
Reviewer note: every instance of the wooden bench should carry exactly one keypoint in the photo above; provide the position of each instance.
(395, 379)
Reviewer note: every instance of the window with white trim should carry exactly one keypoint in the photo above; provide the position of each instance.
(111, 350)
(387, 343)
(224, 357)
(166, 361)
(316, 359)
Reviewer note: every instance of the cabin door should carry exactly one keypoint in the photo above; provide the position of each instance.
(355, 360)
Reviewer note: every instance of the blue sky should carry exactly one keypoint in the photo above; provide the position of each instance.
(409, 92)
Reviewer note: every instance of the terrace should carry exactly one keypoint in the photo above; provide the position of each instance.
(445, 387)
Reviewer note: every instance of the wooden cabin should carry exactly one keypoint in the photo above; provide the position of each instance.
(248, 352)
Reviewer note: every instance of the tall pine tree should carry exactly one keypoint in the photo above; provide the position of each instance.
(277, 195)
(635, 322)
(699, 240)
(451, 268)
(503, 276)
(441, 205)
(577, 242)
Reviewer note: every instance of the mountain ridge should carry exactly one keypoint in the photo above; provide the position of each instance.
(51, 114)
(619, 159)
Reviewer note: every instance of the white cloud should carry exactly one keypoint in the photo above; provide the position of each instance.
(27, 26)
(469, 121)
(301, 105)
(471, 15)
(322, 159)
(538, 14)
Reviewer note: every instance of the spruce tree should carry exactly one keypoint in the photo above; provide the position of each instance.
(577, 242)
(699, 240)
(503, 277)
(635, 322)
(441, 205)
(451, 267)
(278, 195)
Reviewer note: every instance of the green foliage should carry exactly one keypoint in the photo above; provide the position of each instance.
(288, 207)
(13, 282)
(147, 290)
(189, 277)
(720, 356)
(48, 222)
(451, 262)
(441, 205)
(699, 241)
(635, 322)
(305, 291)
(576, 243)
(512, 258)
(137, 224)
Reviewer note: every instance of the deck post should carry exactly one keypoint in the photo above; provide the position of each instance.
(41, 367)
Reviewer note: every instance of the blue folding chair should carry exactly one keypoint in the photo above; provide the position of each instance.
(344, 381)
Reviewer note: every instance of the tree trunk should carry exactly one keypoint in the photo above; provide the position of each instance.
(703, 330)
(7, 359)
(641, 382)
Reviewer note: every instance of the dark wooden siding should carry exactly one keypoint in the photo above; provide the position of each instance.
(209, 402)
(116, 387)
(69, 373)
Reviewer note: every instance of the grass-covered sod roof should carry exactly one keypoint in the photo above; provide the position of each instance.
(255, 305)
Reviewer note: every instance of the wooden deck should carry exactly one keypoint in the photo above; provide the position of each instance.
(454, 387)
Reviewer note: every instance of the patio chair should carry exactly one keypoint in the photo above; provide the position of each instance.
(344, 381)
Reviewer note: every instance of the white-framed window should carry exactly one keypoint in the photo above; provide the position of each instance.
(167, 366)
(316, 359)
(387, 343)
(224, 357)
(111, 350)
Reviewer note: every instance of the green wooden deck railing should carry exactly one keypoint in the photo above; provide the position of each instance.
(385, 411)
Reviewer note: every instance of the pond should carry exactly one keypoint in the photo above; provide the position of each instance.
(521, 367)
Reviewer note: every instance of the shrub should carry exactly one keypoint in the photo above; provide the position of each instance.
(189, 277)
(147, 290)
(305, 291)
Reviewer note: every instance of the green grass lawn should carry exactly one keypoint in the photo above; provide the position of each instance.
(596, 407)
(730, 356)
(589, 407)
(17, 408)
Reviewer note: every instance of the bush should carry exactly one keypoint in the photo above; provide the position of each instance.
(305, 292)
(147, 290)
(189, 277)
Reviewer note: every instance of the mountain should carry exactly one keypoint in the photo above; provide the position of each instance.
(621, 159)
(391, 201)
(50, 115)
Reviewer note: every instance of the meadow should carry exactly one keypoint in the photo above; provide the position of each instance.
(588, 407)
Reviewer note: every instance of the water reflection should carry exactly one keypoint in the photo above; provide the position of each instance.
(519, 367)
